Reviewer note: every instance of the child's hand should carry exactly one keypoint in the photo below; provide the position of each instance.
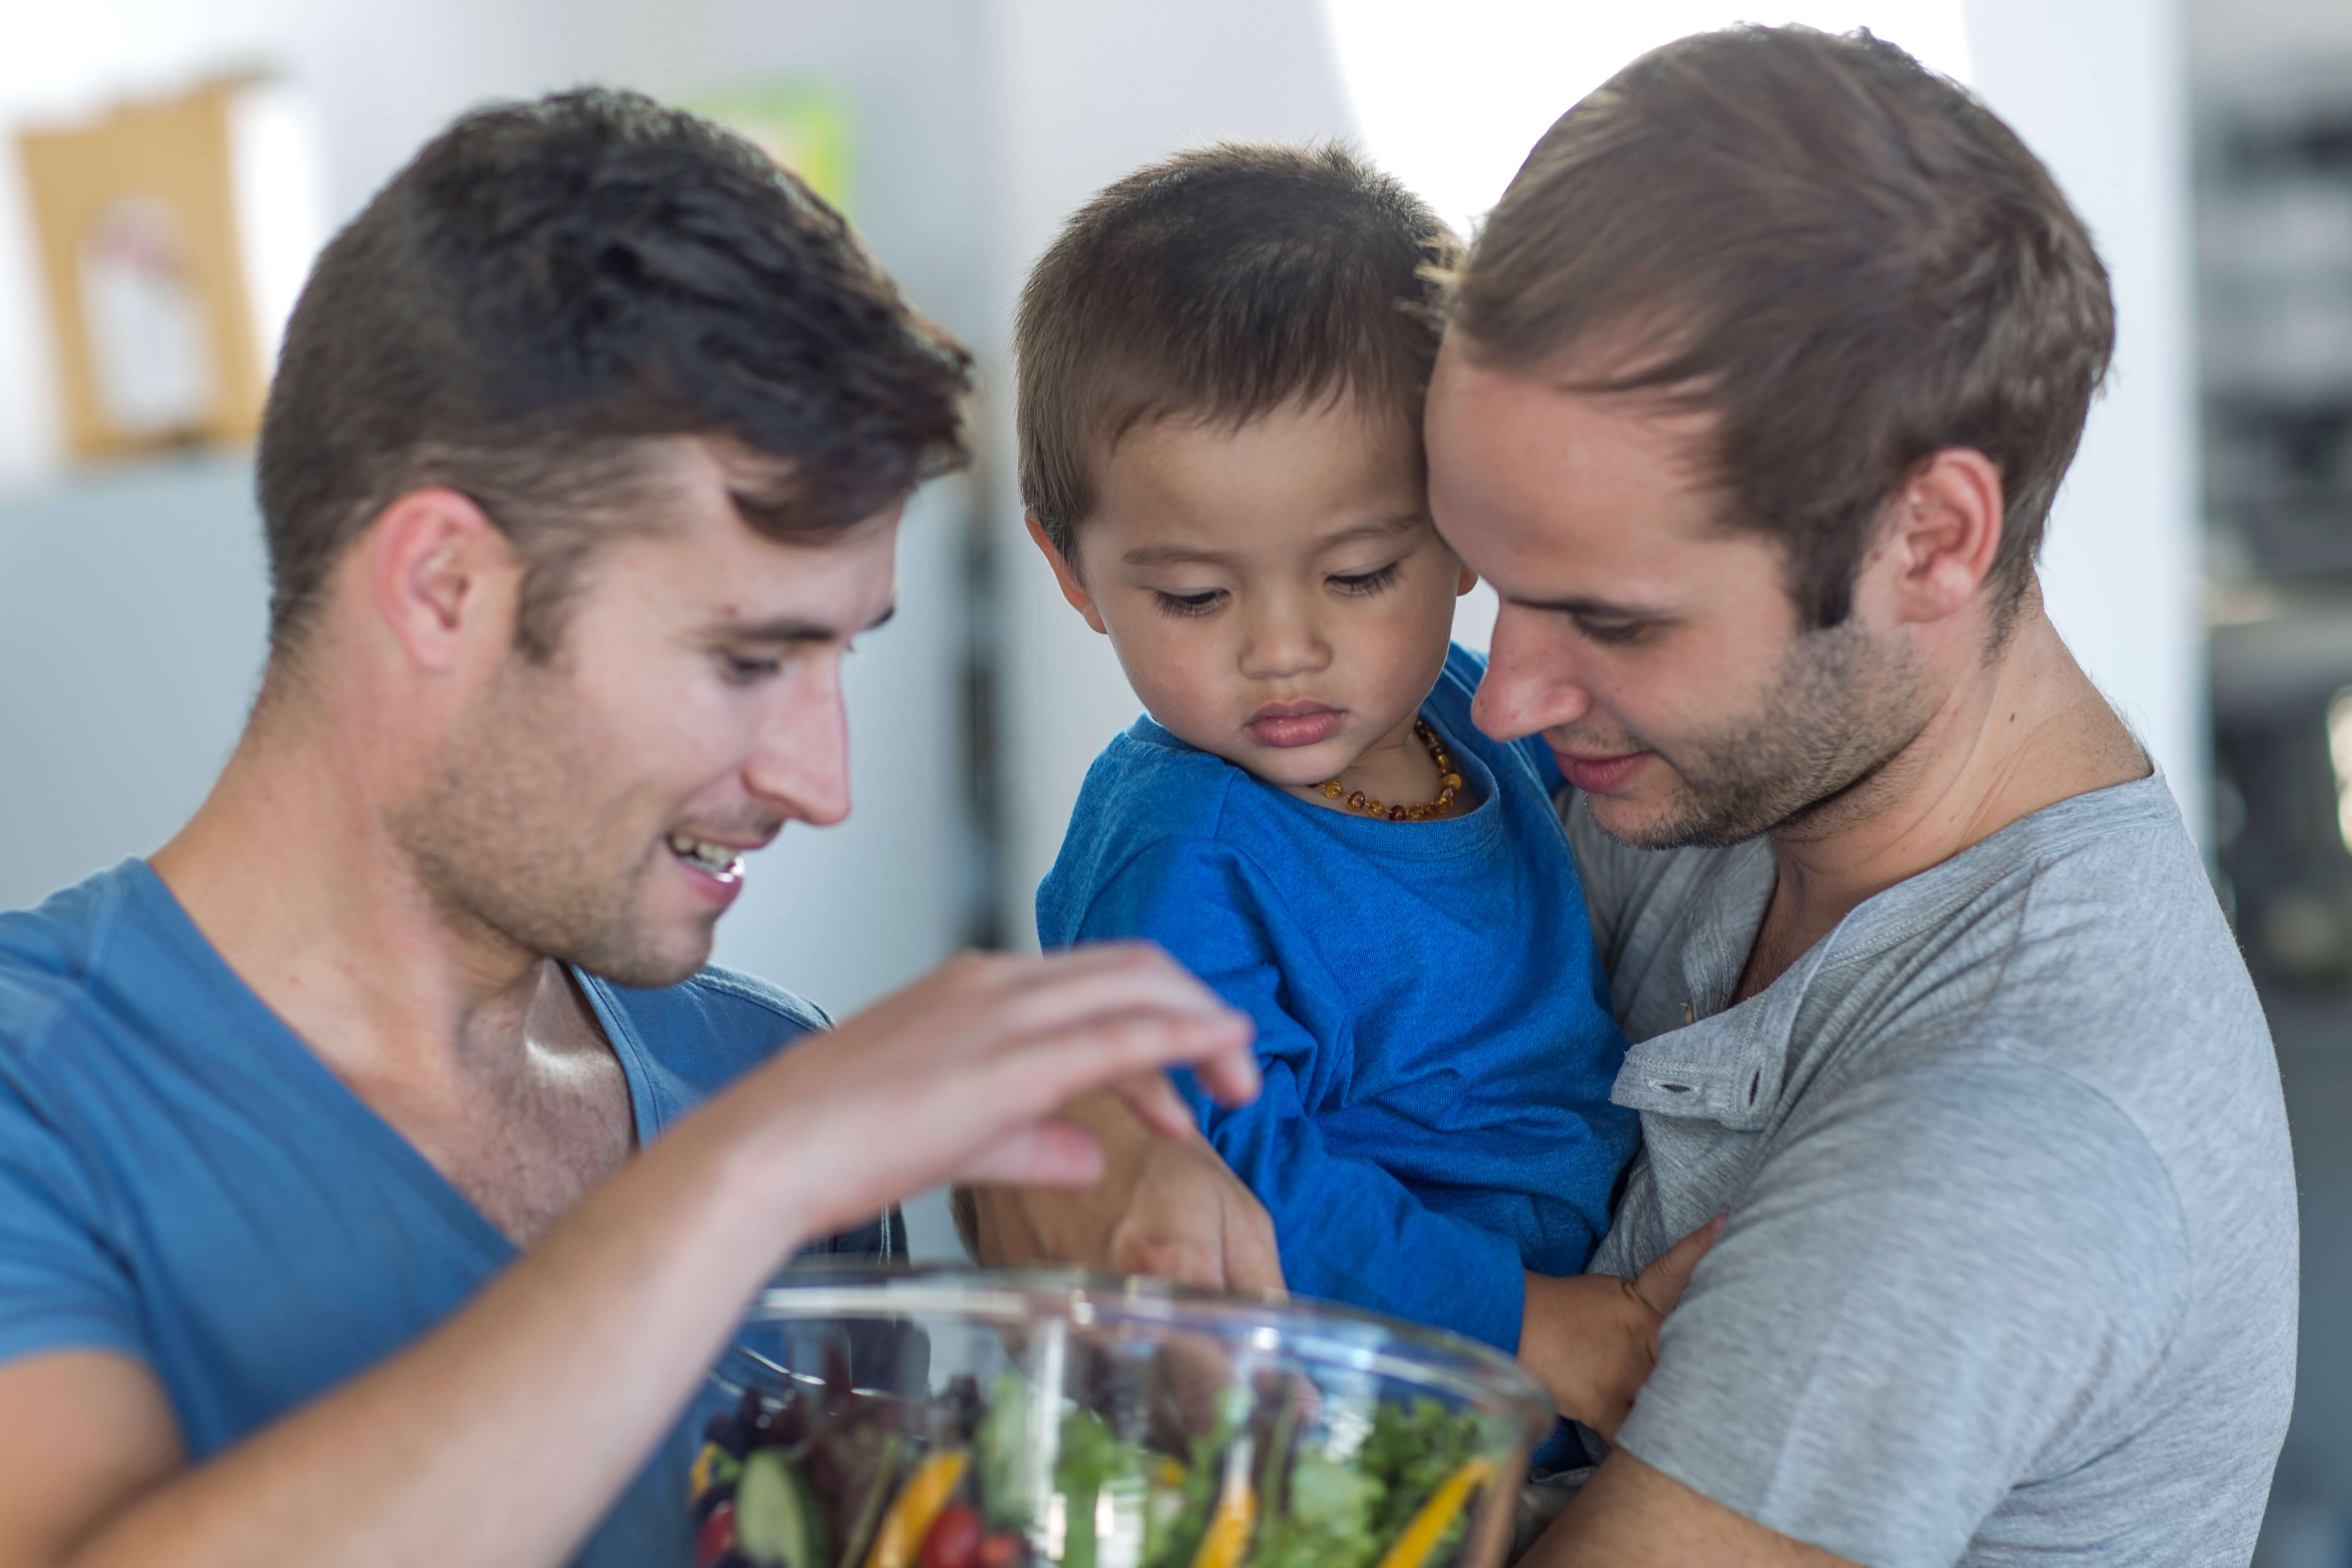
(1168, 1207)
(1592, 1338)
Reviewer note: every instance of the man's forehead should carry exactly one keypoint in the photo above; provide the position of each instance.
(1573, 403)
(1563, 496)
(712, 561)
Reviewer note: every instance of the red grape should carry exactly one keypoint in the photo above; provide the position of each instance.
(954, 1540)
(716, 1539)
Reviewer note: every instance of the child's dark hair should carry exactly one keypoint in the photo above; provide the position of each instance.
(1220, 284)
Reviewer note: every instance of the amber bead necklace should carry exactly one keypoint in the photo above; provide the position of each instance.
(1449, 784)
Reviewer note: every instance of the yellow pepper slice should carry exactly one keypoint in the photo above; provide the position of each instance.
(918, 1507)
(713, 1467)
(1444, 1505)
(1229, 1525)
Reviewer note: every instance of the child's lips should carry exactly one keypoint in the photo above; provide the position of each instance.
(1289, 724)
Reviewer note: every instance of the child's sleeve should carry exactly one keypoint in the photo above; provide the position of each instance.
(1348, 1230)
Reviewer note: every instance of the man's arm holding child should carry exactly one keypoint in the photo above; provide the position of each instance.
(1930, 1296)
(1633, 1515)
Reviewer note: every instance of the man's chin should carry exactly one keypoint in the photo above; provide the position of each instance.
(1673, 824)
(649, 964)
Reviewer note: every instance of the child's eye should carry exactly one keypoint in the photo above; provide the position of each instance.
(1368, 582)
(1188, 604)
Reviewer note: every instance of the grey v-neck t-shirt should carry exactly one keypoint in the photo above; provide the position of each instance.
(2011, 1272)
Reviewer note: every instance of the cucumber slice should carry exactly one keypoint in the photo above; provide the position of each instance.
(776, 1519)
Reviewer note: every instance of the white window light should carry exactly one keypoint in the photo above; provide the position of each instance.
(1449, 98)
(2339, 757)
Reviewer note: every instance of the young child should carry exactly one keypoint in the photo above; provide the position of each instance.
(1222, 366)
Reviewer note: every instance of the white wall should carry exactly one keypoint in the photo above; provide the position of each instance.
(2098, 89)
(133, 611)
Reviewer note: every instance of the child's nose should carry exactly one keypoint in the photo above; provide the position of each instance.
(1283, 642)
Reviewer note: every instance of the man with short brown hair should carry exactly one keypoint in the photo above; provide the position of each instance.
(1759, 384)
(381, 1166)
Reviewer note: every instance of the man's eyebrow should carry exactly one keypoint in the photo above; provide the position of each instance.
(1592, 609)
(796, 629)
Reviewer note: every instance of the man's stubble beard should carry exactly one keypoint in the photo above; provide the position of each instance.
(491, 844)
(1843, 708)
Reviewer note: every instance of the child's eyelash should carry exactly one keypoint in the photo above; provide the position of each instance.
(1185, 605)
(1369, 582)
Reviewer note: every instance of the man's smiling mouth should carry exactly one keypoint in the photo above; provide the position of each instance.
(720, 860)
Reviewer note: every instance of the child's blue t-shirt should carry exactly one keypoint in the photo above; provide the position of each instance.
(1431, 1017)
(184, 1182)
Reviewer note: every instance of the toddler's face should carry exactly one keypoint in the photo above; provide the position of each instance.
(1276, 594)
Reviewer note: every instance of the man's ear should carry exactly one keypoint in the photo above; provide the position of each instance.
(441, 575)
(1942, 534)
(1065, 575)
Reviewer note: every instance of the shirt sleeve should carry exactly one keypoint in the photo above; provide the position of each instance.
(1346, 1229)
(61, 1286)
(1933, 1291)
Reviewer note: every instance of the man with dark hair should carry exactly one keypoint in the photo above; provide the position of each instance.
(380, 1166)
(1759, 384)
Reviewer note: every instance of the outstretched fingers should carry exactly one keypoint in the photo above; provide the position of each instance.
(1128, 1052)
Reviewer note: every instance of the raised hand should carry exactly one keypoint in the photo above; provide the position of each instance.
(960, 1075)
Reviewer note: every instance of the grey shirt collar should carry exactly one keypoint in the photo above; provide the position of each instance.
(1729, 1065)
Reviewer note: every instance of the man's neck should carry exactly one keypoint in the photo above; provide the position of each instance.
(2017, 733)
(289, 872)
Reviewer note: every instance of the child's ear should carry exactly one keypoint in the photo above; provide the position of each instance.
(1072, 589)
(1464, 583)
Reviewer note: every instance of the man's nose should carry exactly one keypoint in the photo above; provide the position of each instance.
(1284, 639)
(1530, 683)
(800, 765)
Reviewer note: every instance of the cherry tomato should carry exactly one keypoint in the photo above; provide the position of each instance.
(716, 1539)
(999, 1551)
(954, 1540)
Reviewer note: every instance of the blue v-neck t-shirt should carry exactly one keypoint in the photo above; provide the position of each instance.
(183, 1182)
(1431, 1018)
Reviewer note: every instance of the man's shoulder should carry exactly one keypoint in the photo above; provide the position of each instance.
(56, 959)
(733, 989)
(2085, 938)
(716, 1013)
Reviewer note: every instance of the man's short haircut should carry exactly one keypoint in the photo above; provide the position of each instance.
(1842, 256)
(1220, 285)
(547, 290)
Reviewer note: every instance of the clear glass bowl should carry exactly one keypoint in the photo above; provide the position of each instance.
(954, 1418)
